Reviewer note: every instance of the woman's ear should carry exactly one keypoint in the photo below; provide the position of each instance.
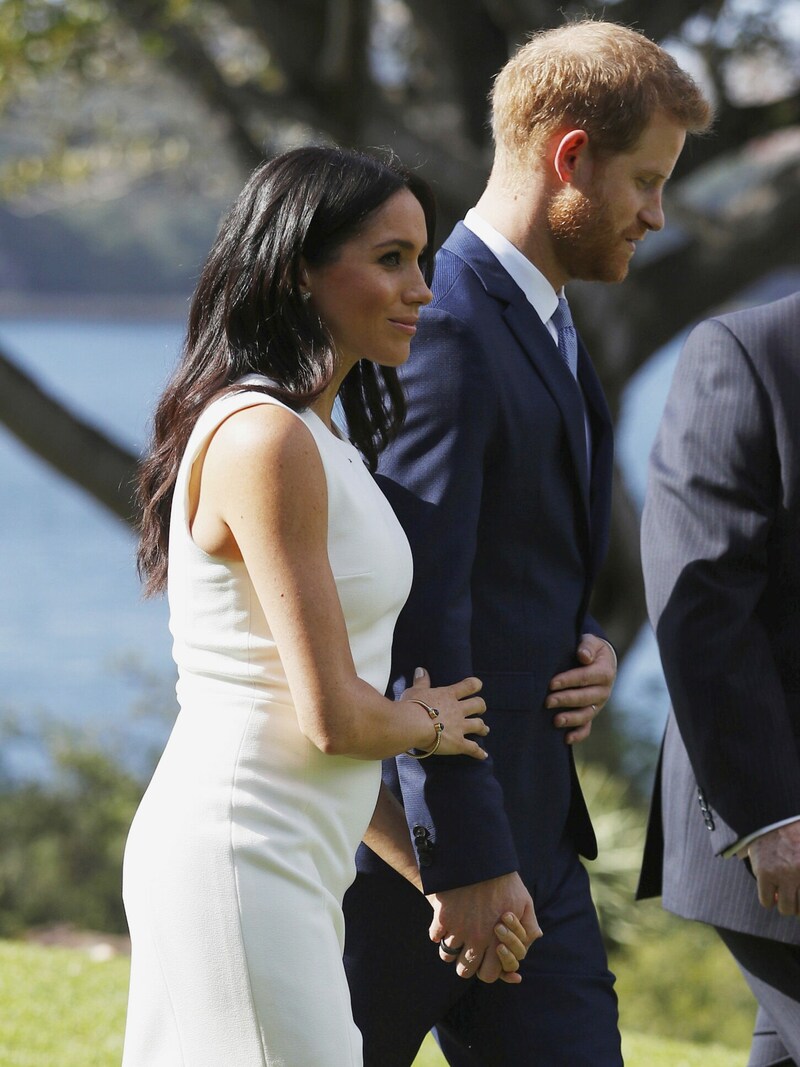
(303, 280)
(571, 149)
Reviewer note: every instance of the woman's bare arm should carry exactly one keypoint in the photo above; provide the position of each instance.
(262, 498)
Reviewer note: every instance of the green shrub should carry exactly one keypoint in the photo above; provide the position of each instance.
(62, 838)
(679, 980)
(674, 977)
(619, 820)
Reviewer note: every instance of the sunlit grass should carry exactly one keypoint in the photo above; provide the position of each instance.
(60, 1008)
(639, 1050)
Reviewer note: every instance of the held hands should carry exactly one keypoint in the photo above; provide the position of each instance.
(466, 918)
(512, 948)
(582, 691)
(458, 712)
(775, 859)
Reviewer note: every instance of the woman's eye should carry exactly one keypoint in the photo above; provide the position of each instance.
(391, 259)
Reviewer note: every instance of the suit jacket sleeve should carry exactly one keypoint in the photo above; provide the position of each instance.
(433, 475)
(711, 507)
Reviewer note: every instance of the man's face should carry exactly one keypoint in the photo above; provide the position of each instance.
(596, 220)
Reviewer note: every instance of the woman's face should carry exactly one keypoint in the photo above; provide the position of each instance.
(369, 296)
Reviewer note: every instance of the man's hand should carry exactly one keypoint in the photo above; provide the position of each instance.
(775, 859)
(585, 689)
(465, 918)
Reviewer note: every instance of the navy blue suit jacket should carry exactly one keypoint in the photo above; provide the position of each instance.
(508, 527)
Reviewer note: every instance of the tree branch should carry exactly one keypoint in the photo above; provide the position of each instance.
(73, 447)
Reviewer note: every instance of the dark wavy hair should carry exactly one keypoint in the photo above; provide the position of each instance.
(247, 315)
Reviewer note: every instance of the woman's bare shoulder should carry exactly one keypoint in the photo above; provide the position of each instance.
(260, 436)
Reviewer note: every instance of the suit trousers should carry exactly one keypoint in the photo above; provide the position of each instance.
(772, 970)
(401, 989)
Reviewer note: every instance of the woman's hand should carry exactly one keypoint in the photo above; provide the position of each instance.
(458, 710)
(513, 947)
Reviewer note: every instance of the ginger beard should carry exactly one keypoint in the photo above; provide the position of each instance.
(586, 238)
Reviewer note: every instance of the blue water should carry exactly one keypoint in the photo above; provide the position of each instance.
(77, 641)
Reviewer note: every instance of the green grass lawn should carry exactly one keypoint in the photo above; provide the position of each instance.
(638, 1050)
(60, 1008)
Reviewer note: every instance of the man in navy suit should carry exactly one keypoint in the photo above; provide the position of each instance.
(501, 477)
(721, 556)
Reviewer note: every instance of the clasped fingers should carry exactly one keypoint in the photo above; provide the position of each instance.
(466, 958)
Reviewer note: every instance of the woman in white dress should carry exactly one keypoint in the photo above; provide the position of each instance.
(286, 572)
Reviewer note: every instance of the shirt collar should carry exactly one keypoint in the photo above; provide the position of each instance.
(537, 289)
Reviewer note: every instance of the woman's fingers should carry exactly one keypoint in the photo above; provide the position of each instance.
(473, 706)
(458, 711)
(511, 935)
(467, 687)
(422, 680)
(475, 726)
(512, 948)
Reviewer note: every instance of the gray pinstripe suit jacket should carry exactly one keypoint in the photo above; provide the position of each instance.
(721, 558)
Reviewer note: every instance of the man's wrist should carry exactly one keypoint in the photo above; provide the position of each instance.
(739, 848)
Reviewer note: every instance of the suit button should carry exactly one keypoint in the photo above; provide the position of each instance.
(708, 817)
(421, 833)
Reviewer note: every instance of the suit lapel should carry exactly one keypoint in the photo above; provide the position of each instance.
(602, 451)
(535, 341)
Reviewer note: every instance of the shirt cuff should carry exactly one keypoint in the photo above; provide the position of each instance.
(614, 654)
(743, 842)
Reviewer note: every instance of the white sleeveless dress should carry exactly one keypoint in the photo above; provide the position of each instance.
(244, 843)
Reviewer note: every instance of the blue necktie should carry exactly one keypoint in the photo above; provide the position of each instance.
(568, 347)
(567, 338)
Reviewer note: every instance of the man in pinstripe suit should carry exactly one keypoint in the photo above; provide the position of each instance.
(721, 556)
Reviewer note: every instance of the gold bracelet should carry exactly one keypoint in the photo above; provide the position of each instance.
(433, 715)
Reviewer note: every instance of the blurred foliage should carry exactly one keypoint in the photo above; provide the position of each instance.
(619, 819)
(367, 72)
(91, 109)
(674, 977)
(40, 38)
(677, 978)
(62, 835)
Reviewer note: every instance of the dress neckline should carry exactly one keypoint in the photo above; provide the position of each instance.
(263, 379)
(334, 430)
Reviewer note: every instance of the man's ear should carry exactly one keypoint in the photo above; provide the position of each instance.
(570, 150)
